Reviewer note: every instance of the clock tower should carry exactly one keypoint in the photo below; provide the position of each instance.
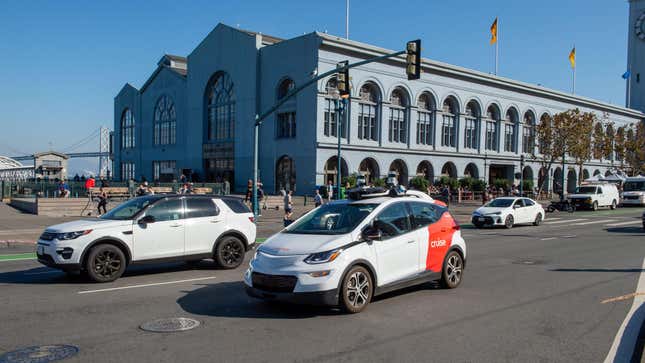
(636, 55)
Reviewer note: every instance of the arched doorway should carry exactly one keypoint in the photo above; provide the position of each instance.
(398, 166)
(585, 174)
(572, 181)
(543, 179)
(285, 174)
(331, 169)
(449, 169)
(471, 171)
(596, 172)
(557, 180)
(369, 168)
(607, 173)
(426, 171)
(527, 173)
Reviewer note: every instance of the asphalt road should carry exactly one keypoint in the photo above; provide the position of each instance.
(529, 294)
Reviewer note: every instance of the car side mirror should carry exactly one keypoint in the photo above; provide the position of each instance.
(371, 234)
(146, 220)
(515, 206)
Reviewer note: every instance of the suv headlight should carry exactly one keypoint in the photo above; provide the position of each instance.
(71, 235)
(323, 257)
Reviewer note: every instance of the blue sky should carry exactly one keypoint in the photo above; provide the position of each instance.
(62, 62)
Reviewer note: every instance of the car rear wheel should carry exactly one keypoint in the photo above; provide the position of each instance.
(508, 223)
(478, 224)
(613, 204)
(356, 290)
(453, 269)
(105, 263)
(229, 253)
(594, 206)
(538, 219)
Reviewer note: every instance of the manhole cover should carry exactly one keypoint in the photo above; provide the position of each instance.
(528, 261)
(170, 325)
(39, 354)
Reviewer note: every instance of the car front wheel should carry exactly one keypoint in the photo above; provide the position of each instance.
(538, 219)
(453, 269)
(356, 291)
(508, 223)
(229, 253)
(105, 263)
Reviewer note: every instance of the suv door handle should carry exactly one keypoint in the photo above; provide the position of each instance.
(175, 225)
(412, 241)
(216, 221)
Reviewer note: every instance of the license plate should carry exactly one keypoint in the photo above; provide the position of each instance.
(481, 219)
(41, 250)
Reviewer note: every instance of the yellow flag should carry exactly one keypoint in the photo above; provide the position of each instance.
(572, 57)
(493, 32)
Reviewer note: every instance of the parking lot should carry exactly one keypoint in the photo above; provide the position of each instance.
(529, 294)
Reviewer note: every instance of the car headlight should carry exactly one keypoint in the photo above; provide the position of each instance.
(71, 235)
(494, 214)
(323, 257)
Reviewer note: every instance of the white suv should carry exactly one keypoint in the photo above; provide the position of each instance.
(153, 228)
(345, 252)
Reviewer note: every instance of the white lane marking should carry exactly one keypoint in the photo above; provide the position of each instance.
(547, 238)
(553, 219)
(628, 338)
(145, 285)
(624, 223)
(19, 231)
(565, 221)
(592, 222)
(19, 259)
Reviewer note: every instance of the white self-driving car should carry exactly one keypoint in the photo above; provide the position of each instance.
(155, 228)
(507, 212)
(345, 252)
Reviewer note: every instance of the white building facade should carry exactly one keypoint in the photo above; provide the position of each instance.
(195, 116)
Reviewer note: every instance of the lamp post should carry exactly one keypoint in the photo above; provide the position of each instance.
(522, 175)
(339, 106)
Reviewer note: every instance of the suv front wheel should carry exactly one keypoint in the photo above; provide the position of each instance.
(105, 263)
(229, 253)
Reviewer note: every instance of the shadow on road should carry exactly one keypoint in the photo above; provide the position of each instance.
(625, 270)
(630, 348)
(632, 230)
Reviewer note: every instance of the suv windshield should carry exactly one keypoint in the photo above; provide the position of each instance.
(130, 208)
(586, 190)
(634, 186)
(500, 203)
(332, 219)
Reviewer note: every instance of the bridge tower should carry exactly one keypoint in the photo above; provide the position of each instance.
(104, 149)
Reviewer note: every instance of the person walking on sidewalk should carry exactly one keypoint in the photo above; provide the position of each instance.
(288, 208)
(330, 191)
(318, 199)
(103, 200)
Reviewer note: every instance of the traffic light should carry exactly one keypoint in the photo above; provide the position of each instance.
(413, 59)
(342, 79)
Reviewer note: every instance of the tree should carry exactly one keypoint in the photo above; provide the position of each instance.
(619, 145)
(547, 155)
(635, 149)
(608, 147)
(598, 141)
(579, 144)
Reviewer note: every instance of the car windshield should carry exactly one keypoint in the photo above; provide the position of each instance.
(586, 190)
(500, 203)
(634, 186)
(332, 219)
(130, 208)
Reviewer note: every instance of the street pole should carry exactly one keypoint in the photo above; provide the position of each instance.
(338, 159)
(521, 175)
(256, 131)
(562, 177)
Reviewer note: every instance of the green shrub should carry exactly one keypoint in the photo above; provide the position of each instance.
(467, 182)
(349, 179)
(419, 183)
(478, 185)
(527, 185)
(379, 182)
(502, 183)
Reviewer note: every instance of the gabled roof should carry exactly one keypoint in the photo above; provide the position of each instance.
(37, 155)
(177, 64)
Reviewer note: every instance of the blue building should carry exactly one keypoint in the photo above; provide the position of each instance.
(195, 116)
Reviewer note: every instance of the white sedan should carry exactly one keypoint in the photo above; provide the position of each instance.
(507, 212)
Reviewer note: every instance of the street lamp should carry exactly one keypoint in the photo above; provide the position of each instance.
(338, 110)
(522, 175)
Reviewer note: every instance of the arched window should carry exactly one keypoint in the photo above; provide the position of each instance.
(492, 122)
(528, 133)
(285, 174)
(449, 122)
(472, 121)
(425, 119)
(368, 112)
(165, 122)
(331, 115)
(399, 103)
(286, 116)
(221, 108)
(510, 127)
(127, 130)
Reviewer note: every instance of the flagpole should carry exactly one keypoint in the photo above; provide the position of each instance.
(629, 86)
(574, 80)
(346, 19)
(497, 47)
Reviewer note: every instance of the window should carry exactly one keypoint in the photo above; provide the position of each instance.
(449, 124)
(528, 202)
(236, 205)
(398, 117)
(425, 115)
(491, 135)
(221, 108)
(368, 109)
(200, 207)
(163, 171)
(528, 134)
(165, 122)
(127, 170)
(509, 133)
(518, 204)
(393, 221)
(423, 214)
(286, 125)
(127, 129)
(331, 115)
(167, 210)
(470, 136)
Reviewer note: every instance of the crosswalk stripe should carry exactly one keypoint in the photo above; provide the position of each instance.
(554, 219)
(566, 221)
(592, 222)
(623, 223)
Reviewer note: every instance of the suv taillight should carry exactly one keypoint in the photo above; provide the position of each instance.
(252, 219)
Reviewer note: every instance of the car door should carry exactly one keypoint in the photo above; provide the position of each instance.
(164, 236)
(601, 197)
(432, 240)
(531, 210)
(204, 224)
(519, 211)
(397, 251)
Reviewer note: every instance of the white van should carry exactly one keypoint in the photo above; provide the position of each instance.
(634, 191)
(594, 195)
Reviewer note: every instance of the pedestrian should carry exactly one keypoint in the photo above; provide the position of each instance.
(142, 190)
(131, 188)
(249, 191)
(485, 196)
(89, 184)
(445, 194)
(103, 200)
(318, 199)
(330, 191)
(288, 208)
(63, 189)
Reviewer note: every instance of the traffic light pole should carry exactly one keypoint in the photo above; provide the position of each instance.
(261, 117)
